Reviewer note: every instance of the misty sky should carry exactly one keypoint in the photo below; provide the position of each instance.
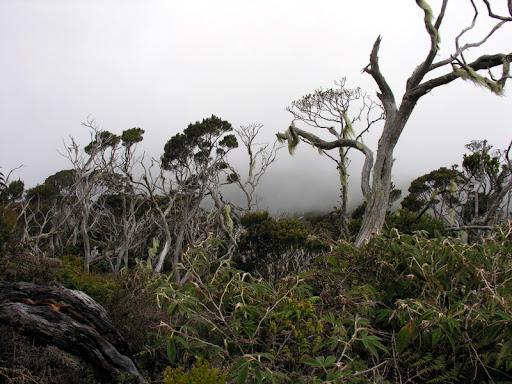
(162, 64)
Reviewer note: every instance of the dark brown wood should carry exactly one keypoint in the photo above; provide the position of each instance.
(69, 320)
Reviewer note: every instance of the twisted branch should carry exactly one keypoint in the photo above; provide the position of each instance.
(294, 133)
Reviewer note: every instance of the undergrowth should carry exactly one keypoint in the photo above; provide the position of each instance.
(403, 308)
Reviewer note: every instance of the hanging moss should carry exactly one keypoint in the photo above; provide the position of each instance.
(429, 15)
(291, 137)
(468, 73)
(228, 219)
(506, 72)
(152, 252)
(348, 132)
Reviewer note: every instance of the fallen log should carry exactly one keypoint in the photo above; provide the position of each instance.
(69, 320)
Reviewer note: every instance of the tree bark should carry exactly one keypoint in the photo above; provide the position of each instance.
(70, 320)
(378, 198)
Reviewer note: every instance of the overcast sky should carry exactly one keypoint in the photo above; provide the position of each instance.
(161, 64)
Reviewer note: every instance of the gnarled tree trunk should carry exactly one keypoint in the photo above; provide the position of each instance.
(69, 320)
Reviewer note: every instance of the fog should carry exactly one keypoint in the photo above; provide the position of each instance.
(161, 65)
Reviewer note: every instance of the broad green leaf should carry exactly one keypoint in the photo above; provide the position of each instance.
(369, 342)
(503, 315)
(506, 349)
(379, 345)
(244, 372)
(383, 314)
(415, 332)
(450, 339)
(171, 351)
(373, 350)
(329, 360)
(331, 260)
(403, 337)
(257, 375)
(313, 362)
(436, 335)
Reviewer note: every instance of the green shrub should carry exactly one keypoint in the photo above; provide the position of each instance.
(100, 286)
(443, 306)
(274, 248)
(200, 373)
(407, 222)
(8, 227)
(21, 265)
(261, 332)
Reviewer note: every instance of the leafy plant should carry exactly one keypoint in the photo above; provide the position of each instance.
(200, 373)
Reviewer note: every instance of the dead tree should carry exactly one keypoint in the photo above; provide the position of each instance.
(260, 157)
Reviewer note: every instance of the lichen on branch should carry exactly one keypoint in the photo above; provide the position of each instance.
(292, 137)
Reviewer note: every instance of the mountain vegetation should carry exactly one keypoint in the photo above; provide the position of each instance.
(200, 290)
(125, 268)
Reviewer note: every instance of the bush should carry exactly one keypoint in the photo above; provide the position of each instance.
(129, 301)
(23, 361)
(201, 373)
(274, 248)
(443, 306)
(20, 265)
(407, 222)
(260, 332)
(8, 227)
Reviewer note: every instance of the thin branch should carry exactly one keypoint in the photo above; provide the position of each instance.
(466, 227)
(422, 69)
(460, 51)
(495, 16)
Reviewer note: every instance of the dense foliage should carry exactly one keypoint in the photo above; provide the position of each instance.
(403, 308)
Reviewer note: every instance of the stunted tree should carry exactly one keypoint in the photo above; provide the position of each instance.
(123, 208)
(345, 113)
(470, 201)
(96, 204)
(435, 192)
(190, 170)
(90, 165)
(10, 194)
(422, 80)
(490, 183)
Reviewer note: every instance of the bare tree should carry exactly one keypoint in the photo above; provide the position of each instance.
(161, 195)
(47, 213)
(260, 157)
(90, 164)
(95, 203)
(396, 115)
(125, 219)
(337, 111)
(471, 201)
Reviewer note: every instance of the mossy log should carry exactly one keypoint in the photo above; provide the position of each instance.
(69, 320)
